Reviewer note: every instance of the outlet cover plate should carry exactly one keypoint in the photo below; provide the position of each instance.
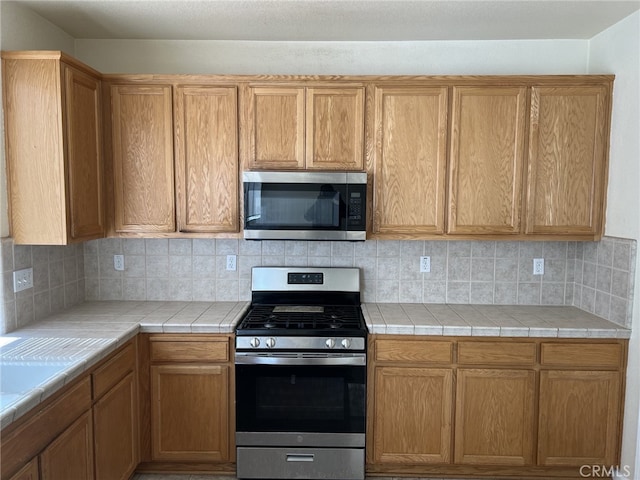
(22, 279)
(231, 262)
(425, 264)
(538, 266)
(118, 262)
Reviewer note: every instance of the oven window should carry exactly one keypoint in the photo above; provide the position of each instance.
(294, 206)
(304, 399)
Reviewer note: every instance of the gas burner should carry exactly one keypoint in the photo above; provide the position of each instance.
(335, 325)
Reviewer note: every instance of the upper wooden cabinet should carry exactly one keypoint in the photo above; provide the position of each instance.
(410, 160)
(53, 128)
(296, 127)
(142, 129)
(276, 127)
(567, 169)
(486, 160)
(207, 174)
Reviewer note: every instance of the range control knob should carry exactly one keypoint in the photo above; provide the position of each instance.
(346, 343)
(270, 342)
(330, 343)
(254, 342)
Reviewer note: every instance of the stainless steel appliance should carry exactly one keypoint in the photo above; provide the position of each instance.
(301, 376)
(305, 205)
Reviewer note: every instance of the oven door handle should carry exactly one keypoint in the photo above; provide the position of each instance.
(300, 359)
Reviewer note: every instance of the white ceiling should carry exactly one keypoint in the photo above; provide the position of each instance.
(333, 20)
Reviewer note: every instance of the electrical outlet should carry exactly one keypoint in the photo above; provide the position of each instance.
(538, 266)
(118, 262)
(22, 279)
(425, 264)
(231, 262)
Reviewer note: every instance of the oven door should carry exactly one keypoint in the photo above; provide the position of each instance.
(300, 401)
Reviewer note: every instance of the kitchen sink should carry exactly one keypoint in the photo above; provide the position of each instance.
(17, 378)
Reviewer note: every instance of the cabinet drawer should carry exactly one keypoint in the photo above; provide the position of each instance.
(189, 349)
(414, 351)
(608, 355)
(115, 369)
(496, 353)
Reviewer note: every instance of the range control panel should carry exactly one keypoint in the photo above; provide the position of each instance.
(305, 278)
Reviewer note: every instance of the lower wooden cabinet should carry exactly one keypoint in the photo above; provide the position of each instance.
(189, 412)
(579, 418)
(115, 431)
(413, 415)
(71, 454)
(190, 401)
(28, 472)
(495, 417)
(456, 406)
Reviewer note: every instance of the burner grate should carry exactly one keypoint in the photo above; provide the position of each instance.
(268, 317)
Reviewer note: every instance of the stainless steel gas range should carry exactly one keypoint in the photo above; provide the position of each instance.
(301, 376)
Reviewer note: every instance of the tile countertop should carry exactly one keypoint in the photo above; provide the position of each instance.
(488, 321)
(39, 359)
(36, 361)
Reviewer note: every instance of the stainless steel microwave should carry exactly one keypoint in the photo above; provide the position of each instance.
(305, 205)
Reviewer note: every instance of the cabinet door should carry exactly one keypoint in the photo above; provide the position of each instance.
(143, 158)
(487, 150)
(579, 418)
(28, 472)
(495, 417)
(71, 454)
(207, 159)
(567, 160)
(276, 127)
(335, 128)
(83, 127)
(412, 421)
(115, 423)
(410, 160)
(189, 412)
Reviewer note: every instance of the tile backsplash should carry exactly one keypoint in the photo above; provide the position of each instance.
(58, 282)
(595, 276)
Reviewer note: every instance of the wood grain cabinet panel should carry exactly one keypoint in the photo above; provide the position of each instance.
(487, 156)
(495, 417)
(71, 454)
(579, 418)
(189, 348)
(190, 413)
(276, 127)
(567, 167)
(413, 408)
(29, 472)
(207, 159)
(335, 128)
(53, 133)
(115, 418)
(410, 130)
(142, 117)
(413, 351)
(590, 355)
(305, 127)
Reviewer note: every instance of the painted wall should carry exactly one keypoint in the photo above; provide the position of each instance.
(617, 50)
(460, 57)
(22, 29)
